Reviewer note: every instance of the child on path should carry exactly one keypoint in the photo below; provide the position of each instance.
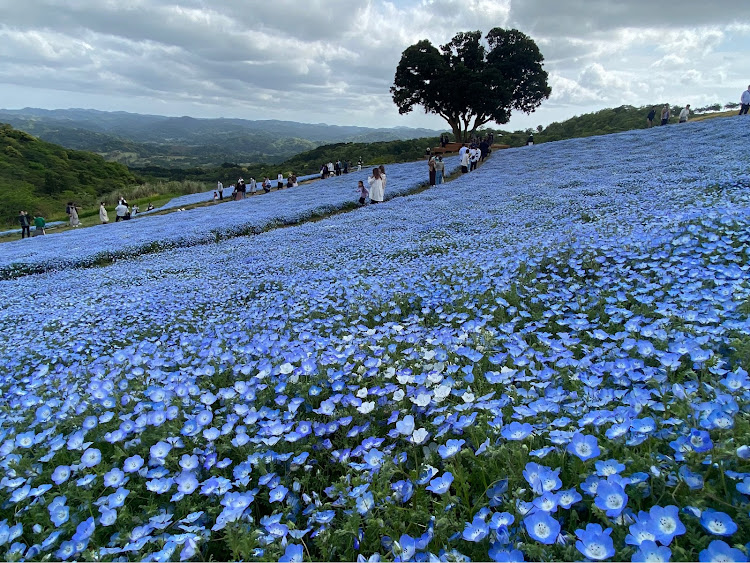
(363, 192)
(39, 224)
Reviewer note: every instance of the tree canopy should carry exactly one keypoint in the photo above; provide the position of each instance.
(469, 84)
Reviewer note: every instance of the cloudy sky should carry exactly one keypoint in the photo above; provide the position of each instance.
(333, 61)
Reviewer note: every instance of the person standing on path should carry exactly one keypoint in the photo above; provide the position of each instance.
(279, 181)
(23, 219)
(745, 101)
(220, 189)
(650, 117)
(103, 216)
(665, 114)
(685, 114)
(431, 168)
(465, 162)
(39, 224)
(439, 170)
(74, 221)
(377, 189)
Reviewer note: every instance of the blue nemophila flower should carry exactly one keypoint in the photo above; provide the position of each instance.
(60, 474)
(476, 530)
(718, 523)
(451, 448)
(611, 498)
(609, 467)
(114, 477)
(405, 426)
(595, 543)
(440, 485)
(293, 553)
(132, 464)
(278, 493)
(648, 551)
(91, 457)
(568, 498)
(583, 446)
(666, 523)
(548, 502)
(502, 554)
(719, 552)
(700, 440)
(694, 481)
(501, 519)
(542, 527)
(402, 490)
(517, 431)
(58, 513)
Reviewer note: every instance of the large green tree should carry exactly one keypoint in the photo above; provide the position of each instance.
(470, 82)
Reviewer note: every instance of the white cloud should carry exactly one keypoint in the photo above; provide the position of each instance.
(334, 60)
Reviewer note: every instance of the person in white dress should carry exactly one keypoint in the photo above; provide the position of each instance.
(103, 216)
(377, 189)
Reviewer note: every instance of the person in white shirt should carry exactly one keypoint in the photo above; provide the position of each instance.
(461, 151)
(220, 189)
(377, 192)
(252, 185)
(474, 155)
(134, 210)
(279, 181)
(121, 211)
(685, 114)
(465, 161)
(745, 101)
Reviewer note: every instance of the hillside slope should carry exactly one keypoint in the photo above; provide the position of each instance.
(153, 140)
(40, 177)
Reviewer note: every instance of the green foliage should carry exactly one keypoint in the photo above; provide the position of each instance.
(40, 177)
(468, 84)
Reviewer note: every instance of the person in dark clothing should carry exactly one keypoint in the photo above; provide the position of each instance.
(484, 148)
(650, 117)
(23, 219)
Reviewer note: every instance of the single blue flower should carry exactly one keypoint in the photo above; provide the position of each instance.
(595, 543)
(583, 446)
(667, 523)
(648, 551)
(451, 448)
(294, 554)
(440, 485)
(476, 530)
(718, 523)
(542, 527)
(278, 494)
(61, 474)
(611, 498)
(719, 551)
(517, 431)
(501, 554)
(91, 457)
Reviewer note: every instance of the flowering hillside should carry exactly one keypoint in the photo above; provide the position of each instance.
(104, 243)
(543, 359)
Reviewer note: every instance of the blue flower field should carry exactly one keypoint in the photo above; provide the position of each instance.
(544, 359)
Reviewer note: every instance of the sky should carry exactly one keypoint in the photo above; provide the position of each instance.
(333, 61)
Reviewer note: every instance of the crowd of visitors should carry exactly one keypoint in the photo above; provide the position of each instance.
(337, 168)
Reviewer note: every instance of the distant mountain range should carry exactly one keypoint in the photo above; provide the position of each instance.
(154, 140)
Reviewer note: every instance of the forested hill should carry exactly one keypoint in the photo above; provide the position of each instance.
(39, 177)
(182, 142)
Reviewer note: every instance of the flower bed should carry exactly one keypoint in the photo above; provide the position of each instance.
(543, 360)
